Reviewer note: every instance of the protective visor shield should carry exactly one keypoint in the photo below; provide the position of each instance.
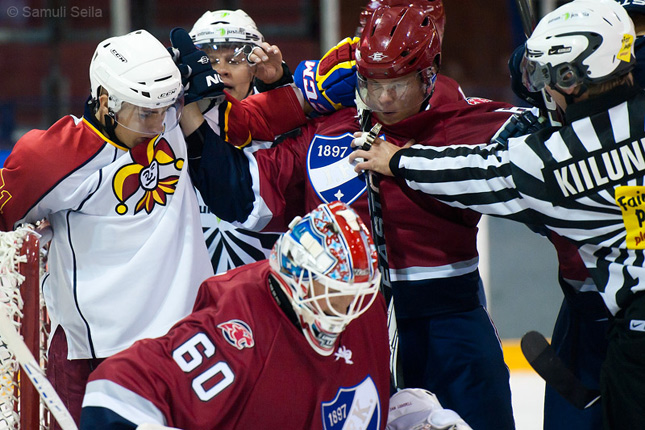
(149, 121)
(233, 54)
(394, 95)
(536, 76)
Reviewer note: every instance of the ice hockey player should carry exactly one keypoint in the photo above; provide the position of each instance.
(298, 341)
(583, 181)
(241, 57)
(432, 248)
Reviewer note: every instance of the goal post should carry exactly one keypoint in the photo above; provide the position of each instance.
(20, 270)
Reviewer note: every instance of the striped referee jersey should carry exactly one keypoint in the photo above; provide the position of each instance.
(584, 181)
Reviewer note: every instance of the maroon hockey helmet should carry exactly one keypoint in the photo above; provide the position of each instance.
(397, 41)
(434, 7)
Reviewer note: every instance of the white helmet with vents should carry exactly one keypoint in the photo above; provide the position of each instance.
(584, 41)
(144, 88)
(226, 26)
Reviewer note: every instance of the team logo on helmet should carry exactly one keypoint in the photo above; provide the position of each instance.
(355, 407)
(151, 177)
(330, 172)
(237, 333)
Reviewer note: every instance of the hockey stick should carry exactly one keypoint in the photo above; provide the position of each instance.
(35, 373)
(378, 235)
(542, 357)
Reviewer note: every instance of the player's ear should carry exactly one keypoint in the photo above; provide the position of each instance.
(102, 105)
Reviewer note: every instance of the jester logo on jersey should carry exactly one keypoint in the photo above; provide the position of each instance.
(151, 177)
(356, 407)
(330, 173)
(237, 333)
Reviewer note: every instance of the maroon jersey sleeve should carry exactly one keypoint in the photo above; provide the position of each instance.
(262, 116)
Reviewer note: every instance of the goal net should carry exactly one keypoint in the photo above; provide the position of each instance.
(20, 270)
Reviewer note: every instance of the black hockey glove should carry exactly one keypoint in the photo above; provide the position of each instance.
(199, 79)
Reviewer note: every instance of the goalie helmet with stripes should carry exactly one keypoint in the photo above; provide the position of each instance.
(326, 265)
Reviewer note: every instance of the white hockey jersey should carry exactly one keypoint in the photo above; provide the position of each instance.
(127, 254)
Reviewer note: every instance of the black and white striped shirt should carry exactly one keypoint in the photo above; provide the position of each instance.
(585, 181)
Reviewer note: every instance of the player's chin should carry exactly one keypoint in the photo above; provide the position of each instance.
(388, 118)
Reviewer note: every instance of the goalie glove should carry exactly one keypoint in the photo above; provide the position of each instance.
(329, 84)
(197, 75)
(418, 409)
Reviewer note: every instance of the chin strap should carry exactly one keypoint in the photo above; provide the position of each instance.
(109, 127)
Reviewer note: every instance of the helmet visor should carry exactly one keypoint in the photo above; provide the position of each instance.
(395, 95)
(536, 76)
(232, 54)
(149, 121)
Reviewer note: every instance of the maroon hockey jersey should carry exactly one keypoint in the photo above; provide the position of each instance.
(238, 362)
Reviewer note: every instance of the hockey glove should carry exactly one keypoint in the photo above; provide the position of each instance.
(329, 84)
(197, 75)
(520, 124)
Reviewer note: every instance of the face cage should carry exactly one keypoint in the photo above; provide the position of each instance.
(241, 52)
(337, 322)
(148, 121)
(403, 88)
(536, 76)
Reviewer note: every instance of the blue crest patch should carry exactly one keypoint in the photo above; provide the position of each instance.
(353, 408)
(330, 173)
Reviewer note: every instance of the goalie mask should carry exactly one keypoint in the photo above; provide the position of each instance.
(144, 87)
(326, 265)
(398, 56)
(579, 43)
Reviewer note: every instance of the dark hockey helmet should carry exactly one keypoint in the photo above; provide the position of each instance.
(397, 41)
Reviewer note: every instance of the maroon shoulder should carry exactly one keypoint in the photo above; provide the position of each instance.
(216, 287)
(468, 121)
(446, 90)
(40, 160)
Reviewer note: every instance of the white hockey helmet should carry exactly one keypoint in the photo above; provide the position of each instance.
(225, 26)
(584, 41)
(142, 82)
(326, 265)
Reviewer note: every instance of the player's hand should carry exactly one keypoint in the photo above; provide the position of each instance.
(199, 79)
(329, 84)
(267, 62)
(375, 157)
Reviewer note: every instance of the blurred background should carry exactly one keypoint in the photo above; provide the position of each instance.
(46, 45)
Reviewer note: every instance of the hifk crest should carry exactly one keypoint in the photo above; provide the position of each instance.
(353, 408)
(237, 333)
(330, 173)
(144, 176)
